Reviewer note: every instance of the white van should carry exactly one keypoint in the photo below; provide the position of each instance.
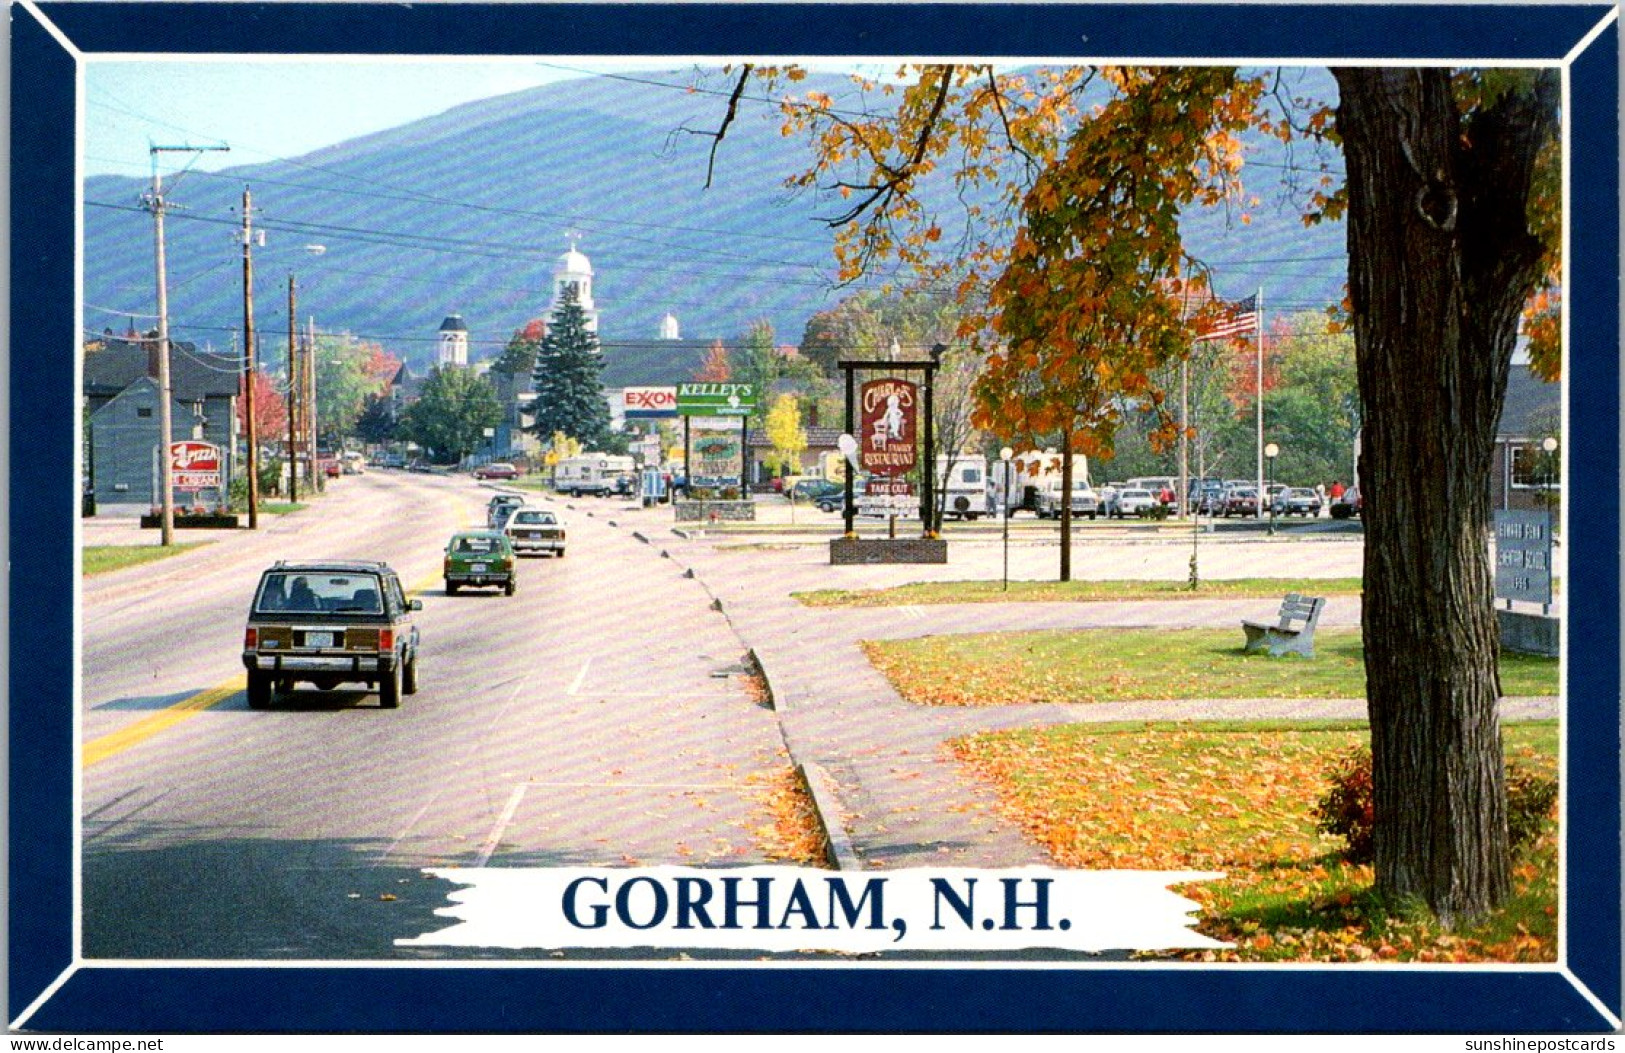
(592, 473)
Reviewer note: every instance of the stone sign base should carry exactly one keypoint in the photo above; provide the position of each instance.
(1528, 633)
(193, 522)
(721, 511)
(845, 551)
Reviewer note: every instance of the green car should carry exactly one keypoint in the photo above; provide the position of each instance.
(480, 558)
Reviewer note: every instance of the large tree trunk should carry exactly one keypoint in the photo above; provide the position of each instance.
(1441, 262)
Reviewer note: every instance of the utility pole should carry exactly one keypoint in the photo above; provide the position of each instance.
(293, 401)
(319, 481)
(249, 366)
(166, 476)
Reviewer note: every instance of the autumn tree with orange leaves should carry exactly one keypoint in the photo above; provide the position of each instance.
(1071, 180)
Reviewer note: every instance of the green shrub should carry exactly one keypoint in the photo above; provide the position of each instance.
(1346, 808)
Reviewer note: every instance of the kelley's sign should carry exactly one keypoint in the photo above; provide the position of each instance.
(715, 400)
(886, 436)
(194, 465)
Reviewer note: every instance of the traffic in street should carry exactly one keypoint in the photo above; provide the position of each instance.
(599, 716)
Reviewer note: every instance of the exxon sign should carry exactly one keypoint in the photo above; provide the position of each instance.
(649, 403)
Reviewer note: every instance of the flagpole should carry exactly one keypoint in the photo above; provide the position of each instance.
(1259, 333)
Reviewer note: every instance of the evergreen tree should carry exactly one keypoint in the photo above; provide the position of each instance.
(569, 393)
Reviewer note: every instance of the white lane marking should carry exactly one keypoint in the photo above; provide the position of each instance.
(575, 685)
(495, 836)
(378, 860)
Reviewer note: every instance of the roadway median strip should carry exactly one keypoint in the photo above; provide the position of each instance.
(110, 745)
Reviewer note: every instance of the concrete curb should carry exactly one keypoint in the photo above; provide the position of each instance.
(838, 847)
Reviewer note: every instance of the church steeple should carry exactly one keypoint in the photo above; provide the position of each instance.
(575, 271)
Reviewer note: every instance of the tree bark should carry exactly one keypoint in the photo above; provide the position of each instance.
(1441, 263)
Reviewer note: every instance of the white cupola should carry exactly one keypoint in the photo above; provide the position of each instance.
(668, 327)
(453, 342)
(575, 271)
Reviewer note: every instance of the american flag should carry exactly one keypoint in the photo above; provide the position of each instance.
(1243, 318)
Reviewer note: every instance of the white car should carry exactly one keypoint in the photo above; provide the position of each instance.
(535, 530)
(1084, 502)
(1131, 502)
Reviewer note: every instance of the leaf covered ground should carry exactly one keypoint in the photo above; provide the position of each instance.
(1121, 665)
(1239, 798)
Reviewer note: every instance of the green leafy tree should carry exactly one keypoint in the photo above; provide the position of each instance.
(342, 383)
(569, 393)
(452, 413)
(377, 423)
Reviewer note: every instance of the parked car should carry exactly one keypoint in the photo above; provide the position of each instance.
(480, 558)
(496, 470)
(1241, 501)
(1209, 501)
(327, 623)
(817, 491)
(1350, 504)
(535, 530)
(1131, 502)
(1083, 500)
(419, 466)
(1297, 501)
(499, 508)
(1157, 485)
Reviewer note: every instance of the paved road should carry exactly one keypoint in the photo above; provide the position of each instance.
(594, 718)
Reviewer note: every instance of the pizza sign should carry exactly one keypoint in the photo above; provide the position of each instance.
(890, 408)
(194, 465)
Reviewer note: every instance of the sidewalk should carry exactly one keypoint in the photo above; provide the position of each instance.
(903, 801)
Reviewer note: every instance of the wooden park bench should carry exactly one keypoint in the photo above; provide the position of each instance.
(1284, 637)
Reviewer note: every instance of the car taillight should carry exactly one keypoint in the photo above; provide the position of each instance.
(386, 639)
(445, 565)
(251, 638)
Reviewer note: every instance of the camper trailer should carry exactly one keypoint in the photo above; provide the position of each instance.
(964, 486)
(592, 473)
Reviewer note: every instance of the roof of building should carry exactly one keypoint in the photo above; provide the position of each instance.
(818, 438)
(114, 363)
(641, 363)
(1533, 406)
(453, 323)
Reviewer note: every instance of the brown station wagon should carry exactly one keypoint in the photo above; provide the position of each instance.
(328, 623)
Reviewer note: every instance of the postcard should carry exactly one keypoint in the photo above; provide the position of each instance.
(722, 518)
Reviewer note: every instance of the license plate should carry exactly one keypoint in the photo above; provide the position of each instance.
(477, 568)
(318, 639)
(533, 533)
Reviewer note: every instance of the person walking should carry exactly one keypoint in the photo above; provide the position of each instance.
(1320, 494)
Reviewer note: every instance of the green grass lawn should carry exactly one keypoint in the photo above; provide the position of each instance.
(102, 559)
(282, 508)
(1120, 665)
(1061, 591)
(1238, 798)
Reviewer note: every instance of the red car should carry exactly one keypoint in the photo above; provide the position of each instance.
(497, 470)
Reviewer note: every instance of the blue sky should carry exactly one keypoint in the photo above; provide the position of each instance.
(266, 110)
(273, 109)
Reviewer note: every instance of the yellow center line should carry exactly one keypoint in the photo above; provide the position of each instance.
(99, 749)
(114, 743)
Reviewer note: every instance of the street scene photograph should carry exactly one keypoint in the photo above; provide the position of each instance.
(879, 512)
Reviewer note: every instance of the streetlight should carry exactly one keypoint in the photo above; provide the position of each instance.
(1004, 499)
(1270, 452)
(1549, 446)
